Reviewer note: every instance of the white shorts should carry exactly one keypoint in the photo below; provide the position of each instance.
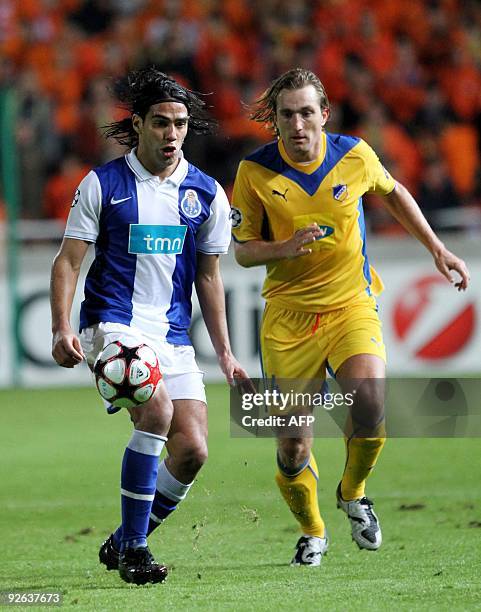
(180, 372)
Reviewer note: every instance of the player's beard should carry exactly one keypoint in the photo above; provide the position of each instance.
(168, 161)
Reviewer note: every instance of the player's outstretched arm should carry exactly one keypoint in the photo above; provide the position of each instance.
(210, 291)
(259, 252)
(405, 209)
(66, 348)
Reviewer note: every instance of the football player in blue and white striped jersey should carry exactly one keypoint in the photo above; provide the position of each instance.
(158, 224)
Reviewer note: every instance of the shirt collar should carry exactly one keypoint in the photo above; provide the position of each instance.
(143, 174)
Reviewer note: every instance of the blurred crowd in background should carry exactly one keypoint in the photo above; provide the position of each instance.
(403, 74)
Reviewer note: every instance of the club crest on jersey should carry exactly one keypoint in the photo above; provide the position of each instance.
(190, 204)
(156, 239)
(339, 192)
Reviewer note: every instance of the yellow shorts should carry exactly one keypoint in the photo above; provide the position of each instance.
(303, 344)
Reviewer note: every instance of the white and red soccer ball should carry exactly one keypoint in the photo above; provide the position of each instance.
(127, 376)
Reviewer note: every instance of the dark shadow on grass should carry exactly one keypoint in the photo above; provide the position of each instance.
(81, 585)
(93, 584)
(229, 568)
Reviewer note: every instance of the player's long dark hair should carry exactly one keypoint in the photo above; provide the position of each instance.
(140, 89)
(264, 108)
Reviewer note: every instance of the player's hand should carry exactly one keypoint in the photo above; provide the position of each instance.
(66, 349)
(446, 262)
(233, 371)
(297, 246)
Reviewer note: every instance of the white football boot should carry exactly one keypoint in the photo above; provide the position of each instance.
(310, 550)
(365, 528)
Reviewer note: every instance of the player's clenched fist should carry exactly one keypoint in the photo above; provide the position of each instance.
(66, 350)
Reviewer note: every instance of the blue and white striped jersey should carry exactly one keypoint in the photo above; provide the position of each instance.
(147, 232)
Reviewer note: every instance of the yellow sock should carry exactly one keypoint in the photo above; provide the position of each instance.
(362, 454)
(300, 493)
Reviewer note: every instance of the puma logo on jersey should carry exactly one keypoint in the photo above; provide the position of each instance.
(114, 201)
(278, 193)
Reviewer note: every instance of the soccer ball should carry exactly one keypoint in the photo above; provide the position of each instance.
(127, 376)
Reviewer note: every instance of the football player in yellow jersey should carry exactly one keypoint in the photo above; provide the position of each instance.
(297, 208)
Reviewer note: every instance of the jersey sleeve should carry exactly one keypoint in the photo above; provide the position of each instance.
(213, 236)
(83, 219)
(247, 211)
(377, 177)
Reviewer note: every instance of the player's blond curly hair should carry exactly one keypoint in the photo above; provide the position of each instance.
(264, 108)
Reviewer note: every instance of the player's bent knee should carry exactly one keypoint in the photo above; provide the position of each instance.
(368, 408)
(194, 456)
(152, 423)
(190, 459)
(154, 416)
(293, 452)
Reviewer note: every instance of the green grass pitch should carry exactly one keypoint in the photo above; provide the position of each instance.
(229, 544)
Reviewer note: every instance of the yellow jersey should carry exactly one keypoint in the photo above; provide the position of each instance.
(274, 196)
